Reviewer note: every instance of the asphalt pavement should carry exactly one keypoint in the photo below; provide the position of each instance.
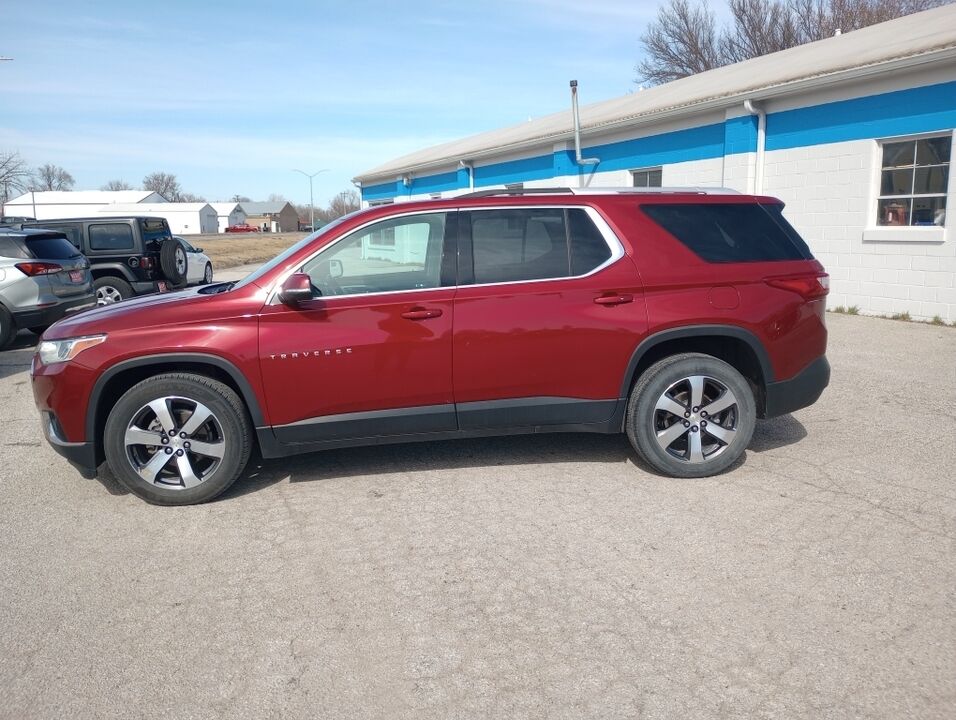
(521, 577)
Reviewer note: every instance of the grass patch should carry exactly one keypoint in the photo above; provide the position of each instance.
(839, 309)
(853, 310)
(937, 320)
(230, 250)
(904, 316)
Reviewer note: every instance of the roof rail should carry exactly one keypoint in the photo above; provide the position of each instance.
(518, 191)
(600, 191)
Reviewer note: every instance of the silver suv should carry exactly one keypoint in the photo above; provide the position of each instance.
(43, 277)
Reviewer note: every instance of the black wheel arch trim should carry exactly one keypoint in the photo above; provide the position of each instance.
(245, 389)
(695, 331)
(101, 270)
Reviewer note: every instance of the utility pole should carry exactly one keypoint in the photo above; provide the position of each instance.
(311, 203)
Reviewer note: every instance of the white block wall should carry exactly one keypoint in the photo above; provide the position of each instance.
(830, 194)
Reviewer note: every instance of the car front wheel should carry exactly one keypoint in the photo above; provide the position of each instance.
(178, 439)
(691, 415)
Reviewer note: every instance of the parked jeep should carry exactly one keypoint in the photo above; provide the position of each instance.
(128, 255)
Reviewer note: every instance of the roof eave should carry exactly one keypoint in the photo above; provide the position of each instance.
(724, 101)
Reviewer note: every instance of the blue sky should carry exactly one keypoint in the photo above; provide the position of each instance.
(231, 96)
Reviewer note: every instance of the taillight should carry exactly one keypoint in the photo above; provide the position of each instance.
(146, 263)
(809, 287)
(38, 268)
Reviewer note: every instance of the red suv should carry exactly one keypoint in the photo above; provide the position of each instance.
(677, 317)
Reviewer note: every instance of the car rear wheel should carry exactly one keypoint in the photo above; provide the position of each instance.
(178, 439)
(691, 415)
(8, 330)
(207, 274)
(111, 290)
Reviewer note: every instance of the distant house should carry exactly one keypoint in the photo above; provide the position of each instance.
(55, 204)
(229, 213)
(183, 218)
(271, 216)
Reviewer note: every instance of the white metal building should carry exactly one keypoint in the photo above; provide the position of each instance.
(854, 133)
(53, 204)
(183, 218)
(228, 214)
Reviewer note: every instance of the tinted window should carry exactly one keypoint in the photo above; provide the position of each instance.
(588, 247)
(399, 254)
(11, 248)
(154, 229)
(51, 247)
(732, 232)
(111, 236)
(73, 233)
(512, 245)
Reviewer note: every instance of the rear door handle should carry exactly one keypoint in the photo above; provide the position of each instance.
(419, 313)
(613, 299)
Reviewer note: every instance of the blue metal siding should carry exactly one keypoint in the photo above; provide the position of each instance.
(915, 110)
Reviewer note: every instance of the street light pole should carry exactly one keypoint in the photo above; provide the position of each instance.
(311, 203)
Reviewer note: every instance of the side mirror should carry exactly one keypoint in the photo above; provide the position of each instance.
(297, 288)
(199, 250)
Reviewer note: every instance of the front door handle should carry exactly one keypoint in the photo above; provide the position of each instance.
(420, 313)
(613, 299)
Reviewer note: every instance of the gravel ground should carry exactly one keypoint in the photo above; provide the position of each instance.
(524, 577)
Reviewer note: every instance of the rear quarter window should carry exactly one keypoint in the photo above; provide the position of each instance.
(11, 248)
(111, 236)
(732, 232)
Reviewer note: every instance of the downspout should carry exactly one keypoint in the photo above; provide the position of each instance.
(470, 167)
(576, 119)
(753, 109)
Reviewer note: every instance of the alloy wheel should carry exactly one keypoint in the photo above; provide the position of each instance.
(696, 418)
(107, 295)
(175, 443)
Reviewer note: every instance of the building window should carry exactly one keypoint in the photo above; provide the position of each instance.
(514, 186)
(377, 203)
(914, 176)
(647, 177)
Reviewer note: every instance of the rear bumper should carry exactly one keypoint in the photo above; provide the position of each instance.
(801, 390)
(81, 455)
(42, 317)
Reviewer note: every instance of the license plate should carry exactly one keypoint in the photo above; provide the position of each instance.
(163, 287)
(76, 276)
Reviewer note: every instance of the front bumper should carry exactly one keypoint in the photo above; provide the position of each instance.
(46, 316)
(81, 455)
(801, 390)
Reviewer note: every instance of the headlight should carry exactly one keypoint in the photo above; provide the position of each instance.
(57, 351)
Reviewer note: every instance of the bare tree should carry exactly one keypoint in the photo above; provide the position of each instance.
(190, 198)
(14, 175)
(163, 183)
(682, 41)
(51, 177)
(684, 38)
(342, 204)
(275, 197)
(117, 185)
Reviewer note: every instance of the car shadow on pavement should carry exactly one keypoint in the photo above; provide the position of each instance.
(16, 358)
(776, 433)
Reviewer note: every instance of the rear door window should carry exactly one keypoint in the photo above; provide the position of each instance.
(517, 245)
(51, 247)
(111, 236)
(731, 232)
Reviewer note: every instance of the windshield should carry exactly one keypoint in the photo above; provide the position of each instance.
(286, 254)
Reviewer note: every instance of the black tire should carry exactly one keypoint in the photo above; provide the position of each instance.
(174, 261)
(8, 328)
(207, 274)
(687, 456)
(110, 289)
(229, 429)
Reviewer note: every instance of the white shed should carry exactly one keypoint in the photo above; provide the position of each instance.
(228, 214)
(183, 218)
(56, 204)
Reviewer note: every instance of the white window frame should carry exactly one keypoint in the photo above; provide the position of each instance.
(633, 173)
(906, 233)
